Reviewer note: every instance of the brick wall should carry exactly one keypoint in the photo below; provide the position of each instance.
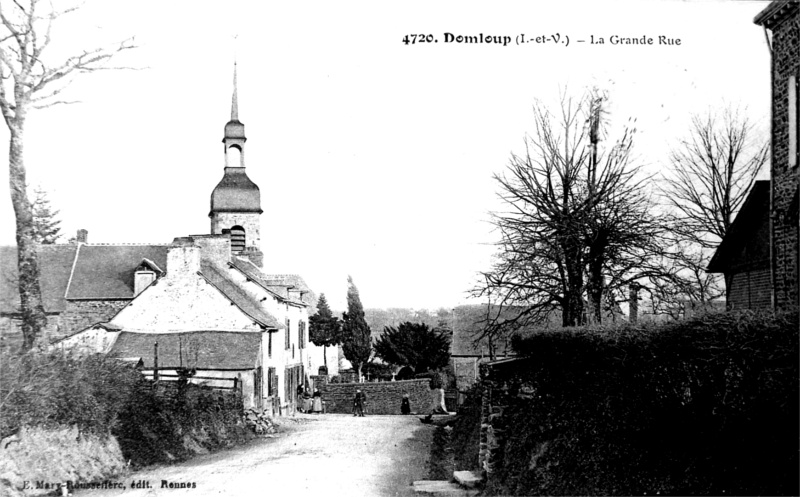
(382, 397)
(785, 62)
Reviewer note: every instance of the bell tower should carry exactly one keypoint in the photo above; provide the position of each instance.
(236, 200)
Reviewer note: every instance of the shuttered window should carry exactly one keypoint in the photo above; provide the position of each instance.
(237, 239)
(301, 334)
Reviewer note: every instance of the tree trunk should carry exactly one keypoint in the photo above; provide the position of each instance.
(325, 357)
(596, 284)
(30, 294)
(572, 309)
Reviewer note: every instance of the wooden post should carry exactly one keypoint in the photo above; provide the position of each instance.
(155, 361)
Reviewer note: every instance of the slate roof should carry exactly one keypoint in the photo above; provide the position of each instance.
(55, 266)
(278, 287)
(235, 192)
(221, 350)
(107, 271)
(746, 245)
(241, 299)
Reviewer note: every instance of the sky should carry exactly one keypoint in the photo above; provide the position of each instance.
(374, 157)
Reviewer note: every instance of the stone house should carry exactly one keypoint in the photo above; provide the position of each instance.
(743, 256)
(782, 19)
(81, 283)
(208, 304)
(760, 256)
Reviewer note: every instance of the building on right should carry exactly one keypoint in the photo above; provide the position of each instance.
(781, 18)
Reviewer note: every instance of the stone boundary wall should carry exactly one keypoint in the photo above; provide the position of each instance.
(382, 397)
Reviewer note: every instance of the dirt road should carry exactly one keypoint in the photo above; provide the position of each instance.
(328, 455)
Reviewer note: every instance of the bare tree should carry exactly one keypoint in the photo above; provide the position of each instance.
(579, 225)
(29, 81)
(710, 175)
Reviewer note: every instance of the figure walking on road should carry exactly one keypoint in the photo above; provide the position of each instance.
(359, 402)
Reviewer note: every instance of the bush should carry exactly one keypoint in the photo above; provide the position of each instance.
(57, 389)
(102, 396)
(703, 406)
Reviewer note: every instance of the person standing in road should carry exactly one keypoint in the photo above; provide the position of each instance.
(359, 402)
(316, 404)
(405, 405)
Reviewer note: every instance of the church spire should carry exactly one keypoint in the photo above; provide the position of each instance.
(235, 99)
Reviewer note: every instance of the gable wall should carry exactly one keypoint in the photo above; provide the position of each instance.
(188, 304)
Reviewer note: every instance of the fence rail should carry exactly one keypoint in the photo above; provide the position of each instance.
(175, 376)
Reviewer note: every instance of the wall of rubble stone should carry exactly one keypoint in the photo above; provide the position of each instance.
(382, 397)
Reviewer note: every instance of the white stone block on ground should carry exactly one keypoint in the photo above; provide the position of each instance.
(467, 479)
(442, 488)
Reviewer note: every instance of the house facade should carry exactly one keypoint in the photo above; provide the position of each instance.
(782, 19)
(760, 256)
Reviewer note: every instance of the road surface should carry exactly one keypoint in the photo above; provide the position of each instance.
(326, 455)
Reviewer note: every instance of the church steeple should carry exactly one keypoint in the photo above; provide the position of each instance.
(235, 99)
(234, 131)
(236, 201)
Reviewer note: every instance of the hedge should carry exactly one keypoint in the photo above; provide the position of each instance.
(703, 406)
(102, 396)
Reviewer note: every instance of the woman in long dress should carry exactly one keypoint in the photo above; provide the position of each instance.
(307, 404)
(317, 402)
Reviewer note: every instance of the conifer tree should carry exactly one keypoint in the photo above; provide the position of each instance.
(415, 345)
(46, 226)
(357, 338)
(325, 328)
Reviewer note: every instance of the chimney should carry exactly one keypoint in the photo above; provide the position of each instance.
(183, 258)
(83, 236)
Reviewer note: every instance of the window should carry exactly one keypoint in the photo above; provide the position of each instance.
(272, 382)
(288, 334)
(794, 131)
(233, 156)
(301, 334)
(237, 239)
(269, 344)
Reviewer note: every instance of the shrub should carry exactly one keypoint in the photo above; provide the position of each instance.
(703, 406)
(58, 389)
(102, 396)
